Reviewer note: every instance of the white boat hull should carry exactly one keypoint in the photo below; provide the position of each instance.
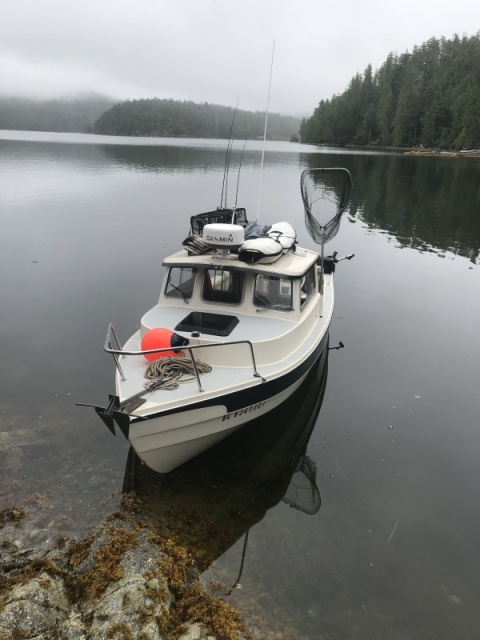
(166, 442)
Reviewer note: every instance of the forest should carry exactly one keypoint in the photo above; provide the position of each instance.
(427, 98)
(175, 118)
(73, 115)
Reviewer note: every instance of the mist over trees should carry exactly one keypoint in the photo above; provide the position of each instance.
(73, 115)
(174, 118)
(429, 98)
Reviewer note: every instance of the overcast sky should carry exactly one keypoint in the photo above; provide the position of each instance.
(216, 51)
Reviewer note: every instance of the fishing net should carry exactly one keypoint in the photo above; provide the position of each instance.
(325, 195)
(219, 216)
(302, 492)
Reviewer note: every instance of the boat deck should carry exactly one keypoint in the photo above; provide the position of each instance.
(278, 343)
(220, 377)
(249, 327)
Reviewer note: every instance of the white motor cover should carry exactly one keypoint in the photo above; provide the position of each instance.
(224, 236)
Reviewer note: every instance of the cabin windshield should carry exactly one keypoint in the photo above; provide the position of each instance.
(273, 292)
(180, 282)
(223, 285)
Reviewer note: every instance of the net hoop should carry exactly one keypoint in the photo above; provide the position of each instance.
(325, 193)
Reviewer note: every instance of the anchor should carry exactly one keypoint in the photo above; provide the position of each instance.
(113, 413)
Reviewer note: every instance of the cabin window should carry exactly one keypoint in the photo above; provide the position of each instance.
(180, 283)
(273, 292)
(223, 285)
(307, 287)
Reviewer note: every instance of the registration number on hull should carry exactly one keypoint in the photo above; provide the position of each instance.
(241, 412)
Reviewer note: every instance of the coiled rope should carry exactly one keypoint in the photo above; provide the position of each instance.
(168, 373)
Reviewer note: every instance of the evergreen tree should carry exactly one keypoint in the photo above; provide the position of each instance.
(174, 118)
(429, 97)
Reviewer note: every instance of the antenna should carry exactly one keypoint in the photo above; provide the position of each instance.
(265, 134)
(238, 177)
(227, 160)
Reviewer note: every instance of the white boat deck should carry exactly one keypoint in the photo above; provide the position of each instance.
(228, 376)
(227, 379)
(250, 327)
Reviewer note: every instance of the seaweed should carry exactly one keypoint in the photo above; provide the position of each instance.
(13, 515)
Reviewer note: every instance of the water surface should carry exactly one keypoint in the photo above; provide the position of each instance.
(393, 550)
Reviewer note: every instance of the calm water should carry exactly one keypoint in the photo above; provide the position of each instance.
(393, 551)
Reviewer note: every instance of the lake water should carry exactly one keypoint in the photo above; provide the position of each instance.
(393, 551)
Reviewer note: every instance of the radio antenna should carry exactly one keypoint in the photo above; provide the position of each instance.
(227, 160)
(265, 134)
(238, 177)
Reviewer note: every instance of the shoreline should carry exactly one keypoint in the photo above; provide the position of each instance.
(470, 153)
(124, 580)
(416, 151)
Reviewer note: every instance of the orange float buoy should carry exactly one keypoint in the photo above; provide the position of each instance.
(161, 338)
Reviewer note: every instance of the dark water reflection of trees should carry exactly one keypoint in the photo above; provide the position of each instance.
(429, 204)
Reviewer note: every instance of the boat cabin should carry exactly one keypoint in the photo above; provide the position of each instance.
(284, 287)
(223, 299)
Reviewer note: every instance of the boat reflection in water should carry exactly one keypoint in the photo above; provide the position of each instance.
(207, 504)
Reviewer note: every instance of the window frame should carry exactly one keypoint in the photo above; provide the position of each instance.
(270, 295)
(176, 290)
(308, 286)
(232, 294)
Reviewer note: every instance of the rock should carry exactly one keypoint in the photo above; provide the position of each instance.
(36, 608)
(126, 605)
(195, 632)
(152, 584)
(109, 585)
(73, 627)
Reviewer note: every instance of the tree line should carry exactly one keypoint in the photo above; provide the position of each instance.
(74, 115)
(429, 97)
(175, 118)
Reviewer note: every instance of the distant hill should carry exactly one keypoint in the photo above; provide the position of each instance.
(174, 118)
(427, 98)
(73, 115)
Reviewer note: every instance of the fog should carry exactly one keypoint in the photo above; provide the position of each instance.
(214, 51)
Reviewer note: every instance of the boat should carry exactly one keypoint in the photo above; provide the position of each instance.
(231, 338)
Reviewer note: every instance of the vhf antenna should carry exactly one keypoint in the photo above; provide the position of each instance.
(265, 134)
(227, 160)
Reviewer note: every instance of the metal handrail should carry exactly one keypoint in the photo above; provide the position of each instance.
(111, 333)
(112, 345)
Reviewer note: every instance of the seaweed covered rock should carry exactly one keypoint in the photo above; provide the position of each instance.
(122, 582)
(37, 608)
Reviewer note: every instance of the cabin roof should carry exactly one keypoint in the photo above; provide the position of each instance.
(293, 263)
